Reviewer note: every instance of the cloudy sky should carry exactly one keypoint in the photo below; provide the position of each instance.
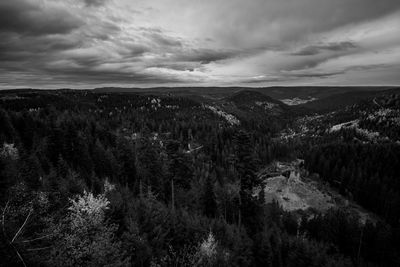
(95, 43)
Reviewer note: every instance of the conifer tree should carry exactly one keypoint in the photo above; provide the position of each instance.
(30, 171)
(209, 202)
(249, 210)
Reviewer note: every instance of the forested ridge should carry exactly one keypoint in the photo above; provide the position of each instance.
(122, 179)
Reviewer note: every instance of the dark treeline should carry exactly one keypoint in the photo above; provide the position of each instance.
(367, 172)
(135, 180)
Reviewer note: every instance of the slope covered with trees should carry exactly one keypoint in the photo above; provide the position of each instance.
(96, 179)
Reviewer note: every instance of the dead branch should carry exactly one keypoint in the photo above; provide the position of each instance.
(36, 249)
(34, 239)
(22, 226)
(3, 218)
(16, 235)
(19, 255)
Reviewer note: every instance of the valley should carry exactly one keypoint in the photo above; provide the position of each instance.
(226, 164)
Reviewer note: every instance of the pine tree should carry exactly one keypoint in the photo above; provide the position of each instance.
(246, 163)
(149, 167)
(30, 171)
(179, 172)
(127, 168)
(250, 208)
(7, 131)
(173, 164)
(209, 202)
(62, 167)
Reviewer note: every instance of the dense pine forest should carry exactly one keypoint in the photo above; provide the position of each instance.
(90, 178)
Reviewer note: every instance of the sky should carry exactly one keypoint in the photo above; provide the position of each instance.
(145, 43)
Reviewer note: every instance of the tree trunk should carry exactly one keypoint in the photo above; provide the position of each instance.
(240, 210)
(140, 188)
(225, 210)
(359, 246)
(172, 195)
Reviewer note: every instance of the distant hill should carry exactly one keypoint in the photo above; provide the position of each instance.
(303, 99)
(276, 92)
(318, 92)
(338, 101)
(249, 97)
(341, 100)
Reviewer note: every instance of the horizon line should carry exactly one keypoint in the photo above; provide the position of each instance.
(183, 87)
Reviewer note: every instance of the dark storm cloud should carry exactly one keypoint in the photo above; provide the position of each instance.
(342, 12)
(323, 75)
(180, 41)
(317, 74)
(102, 30)
(174, 66)
(159, 37)
(264, 80)
(317, 49)
(66, 77)
(21, 16)
(99, 77)
(294, 76)
(135, 50)
(165, 40)
(95, 2)
(12, 42)
(24, 49)
(82, 79)
(35, 34)
(258, 22)
(205, 56)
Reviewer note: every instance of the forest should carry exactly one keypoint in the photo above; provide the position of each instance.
(130, 179)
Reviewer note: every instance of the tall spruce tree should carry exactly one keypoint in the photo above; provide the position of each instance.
(208, 198)
(250, 208)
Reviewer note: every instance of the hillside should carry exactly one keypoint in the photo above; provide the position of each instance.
(276, 92)
(173, 168)
(338, 101)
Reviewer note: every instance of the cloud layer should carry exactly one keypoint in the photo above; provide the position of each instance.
(92, 43)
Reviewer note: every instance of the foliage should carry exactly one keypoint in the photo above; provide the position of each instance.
(97, 179)
(84, 237)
